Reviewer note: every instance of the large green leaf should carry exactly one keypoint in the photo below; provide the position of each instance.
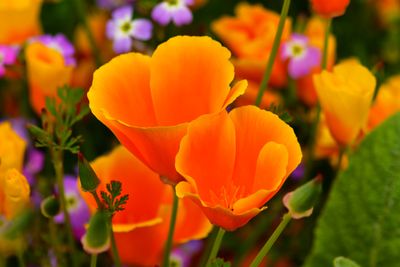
(361, 219)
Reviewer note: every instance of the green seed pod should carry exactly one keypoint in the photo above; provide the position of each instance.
(50, 207)
(97, 237)
(88, 178)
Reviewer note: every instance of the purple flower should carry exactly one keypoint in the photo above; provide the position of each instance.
(8, 56)
(112, 4)
(175, 10)
(60, 43)
(183, 255)
(302, 57)
(122, 28)
(77, 208)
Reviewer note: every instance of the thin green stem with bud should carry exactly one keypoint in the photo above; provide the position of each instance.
(93, 260)
(57, 157)
(314, 126)
(216, 246)
(172, 222)
(274, 52)
(271, 241)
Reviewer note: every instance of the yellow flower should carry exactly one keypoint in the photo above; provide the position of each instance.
(345, 95)
(12, 148)
(14, 193)
(19, 20)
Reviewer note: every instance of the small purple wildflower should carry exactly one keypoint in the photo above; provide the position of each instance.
(112, 4)
(60, 43)
(302, 57)
(77, 208)
(183, 255)
(8, 56)
(122, 28)
(175, 10)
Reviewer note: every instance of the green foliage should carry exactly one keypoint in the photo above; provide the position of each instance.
(281, 112)
(112, 201)
(58, 119)
(218, 262)
(87, 176)
(361, 219)
(344, 262)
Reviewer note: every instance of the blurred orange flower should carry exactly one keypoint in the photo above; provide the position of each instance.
(46, 72)
(12, 148)
(234, 163)
(387, 102)
(148, 102)
(388, 10)
(141, 229)
(345, 95)
(315, 31)
(250, 36)
(329, 8)
(19, 20)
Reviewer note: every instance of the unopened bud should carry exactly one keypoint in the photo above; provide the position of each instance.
(87, 176)
(50, 207)
(97, 237)
(300, 202)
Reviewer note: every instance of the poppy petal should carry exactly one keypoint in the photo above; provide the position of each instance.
(199, 73)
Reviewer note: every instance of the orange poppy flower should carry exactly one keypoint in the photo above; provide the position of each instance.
(12, 148)
(250, 36)
(19, 20)
(345, 95)
(315, 31)
(387, 102)
(46, 72)
(235, 162)
(141, 229)
(388, 10)
(148, 101)
(331, 8)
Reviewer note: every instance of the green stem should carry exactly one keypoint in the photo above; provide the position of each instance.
(207, 248)
(57, 157)
(55, 244)
(274, 52)
(172, 222)
(216, 246)
(270, 242)
(92, 42)
(93, 260)
(20, 257)
(114, 249)
(324, 63)
(314, 126)
(342, 152)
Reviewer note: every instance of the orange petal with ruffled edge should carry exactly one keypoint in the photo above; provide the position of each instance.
(255, 128)
(46, 72)
(143, 186)
(209, 139)
(190, 76)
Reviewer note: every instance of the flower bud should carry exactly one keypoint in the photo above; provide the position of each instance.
(87, 176)
(15, 193)
(301, 201)
(97, 237)
(344, 262)
(50, 207)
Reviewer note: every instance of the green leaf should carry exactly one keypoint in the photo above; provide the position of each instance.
(87, 176)
(361, 218)
(218, 262)
(344, 262)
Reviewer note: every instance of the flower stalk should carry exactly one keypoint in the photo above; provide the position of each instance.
(216, 246)
(274, 52)
(168, 244)
(271, 241)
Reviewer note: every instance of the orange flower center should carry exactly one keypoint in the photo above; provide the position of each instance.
(228, 195)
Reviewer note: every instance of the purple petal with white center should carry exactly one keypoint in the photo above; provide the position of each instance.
(111, 29)
(295, 40)
(141, 29)
(182, 16)
(122, 45)
(123, 13)
(161, 13)
(299, 38)
(301, 66)
(77, 208)
(112, 4)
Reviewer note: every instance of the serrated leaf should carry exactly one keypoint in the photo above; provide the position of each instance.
(361, 219)
(344, 262)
